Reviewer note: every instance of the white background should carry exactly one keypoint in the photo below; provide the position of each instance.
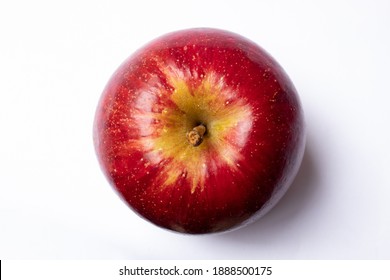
(55, 59)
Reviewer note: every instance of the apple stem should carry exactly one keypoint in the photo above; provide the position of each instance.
(195, 136)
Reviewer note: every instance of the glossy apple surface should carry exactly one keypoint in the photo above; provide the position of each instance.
(200, 131)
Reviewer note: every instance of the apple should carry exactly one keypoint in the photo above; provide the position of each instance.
(200, 131)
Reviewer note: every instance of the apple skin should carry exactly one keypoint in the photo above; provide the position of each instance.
(250, 152)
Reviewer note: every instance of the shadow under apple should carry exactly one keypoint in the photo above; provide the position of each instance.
(286, 211)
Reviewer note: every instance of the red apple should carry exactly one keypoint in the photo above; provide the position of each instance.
(200, 131)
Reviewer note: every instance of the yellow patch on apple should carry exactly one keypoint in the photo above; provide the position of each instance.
(228, 120)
